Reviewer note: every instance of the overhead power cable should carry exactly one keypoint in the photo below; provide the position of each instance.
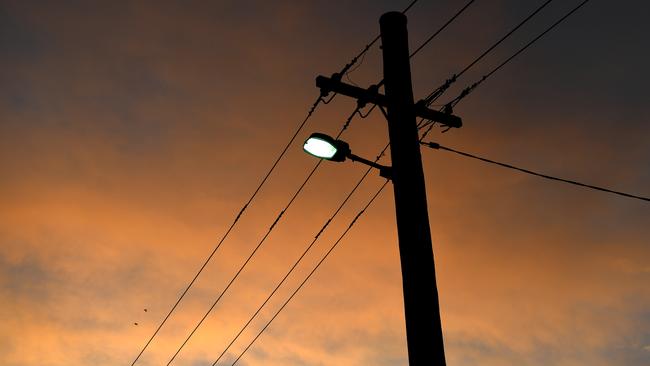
(473, 86)
(440, 90)
(409, 6)
(300, 258)
(506, 36)
(259, 245)
(318, 101)
(347, 69)
(434, 145)
(232, 225)
(418, 49)
(448, 107)
(441, 28)
(421, 46)
(241, 268)
(268, 323)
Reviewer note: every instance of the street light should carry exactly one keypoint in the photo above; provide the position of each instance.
(326, 147)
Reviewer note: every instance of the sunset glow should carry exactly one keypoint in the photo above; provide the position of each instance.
(133, 133)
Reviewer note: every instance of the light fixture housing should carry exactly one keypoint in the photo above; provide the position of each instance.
(326, 147)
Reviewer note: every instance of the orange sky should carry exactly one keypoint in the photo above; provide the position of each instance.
(131, 134)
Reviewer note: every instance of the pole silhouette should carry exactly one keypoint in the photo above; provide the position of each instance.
(421, 307)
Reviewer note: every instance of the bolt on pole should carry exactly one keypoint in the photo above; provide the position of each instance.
(421, 307)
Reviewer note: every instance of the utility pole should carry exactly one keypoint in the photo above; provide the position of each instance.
(421, 307)
(422, 311)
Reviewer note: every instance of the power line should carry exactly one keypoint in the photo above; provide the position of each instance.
(434, 145)
(307, 249)
(232, 225)
(471, 88)
(312, 271)
(259, 245)
(529, 17)
(409, 6)
(440, 90)
(441, 28)
(448, 107)
(419, 48)
(347, 69)
(241, 268)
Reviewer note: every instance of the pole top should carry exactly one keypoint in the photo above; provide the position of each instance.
(393, 18)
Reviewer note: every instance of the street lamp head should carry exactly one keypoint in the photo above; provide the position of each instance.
(325, 147)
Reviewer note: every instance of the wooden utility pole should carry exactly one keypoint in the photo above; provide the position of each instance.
(421, 308)
(422, 311)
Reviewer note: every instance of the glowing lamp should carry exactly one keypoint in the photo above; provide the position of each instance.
(325, 147)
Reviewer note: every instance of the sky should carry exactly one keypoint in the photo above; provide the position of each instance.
(133, 132)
